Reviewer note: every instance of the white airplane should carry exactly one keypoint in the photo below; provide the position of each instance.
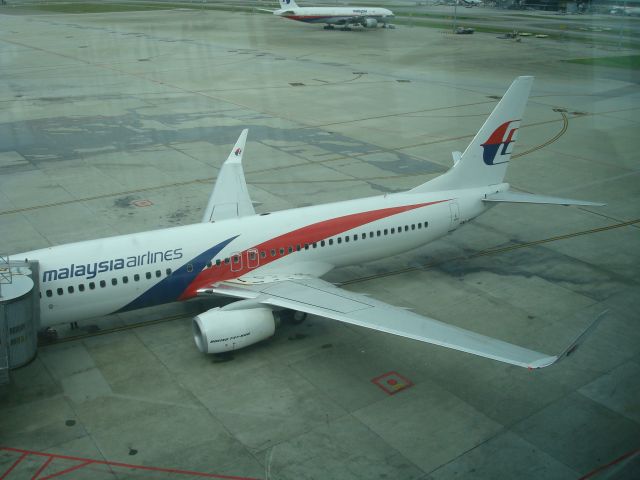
(271, 263)
(368, 17)
(472, 3)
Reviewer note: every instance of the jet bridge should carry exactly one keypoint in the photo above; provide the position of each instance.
(19, 314)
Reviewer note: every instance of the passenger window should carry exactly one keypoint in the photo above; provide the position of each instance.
(114, 281)
(226, 260)
(263, 254)
(419, 226)
(92, 286)
(103, 284)
(49, 293)
(209, 265)
(60, 291)
(315, 244)
(306, 246)
(236, 259)
(346, 238)
(426, 224)
(169, 270)
(218, 262)
(370, 234)
(297, 248)
(281, 251)
(125, 279)
(148, 275)
(159, 273)
(406, 228)
(393, 230)
(252, 255)
(136, 277)
(386, 232)
(339, 239)
(189, 269)
(322, 243)
(273, 252)
(290, 249)
(378, 233)
(355, 237)
(331, 241)
(413, 226)
(70, 289)
(81, 287)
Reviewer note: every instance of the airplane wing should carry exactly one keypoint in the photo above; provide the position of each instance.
(317, 297)
(230, 196)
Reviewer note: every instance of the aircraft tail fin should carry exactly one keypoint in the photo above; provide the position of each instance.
(230, 196)
(485, 160)
(284, 4)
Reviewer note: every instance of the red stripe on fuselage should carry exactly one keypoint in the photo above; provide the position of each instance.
(296, 238)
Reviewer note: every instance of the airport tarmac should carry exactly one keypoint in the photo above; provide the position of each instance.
(117, 122)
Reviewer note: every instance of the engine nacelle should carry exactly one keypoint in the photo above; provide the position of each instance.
(218, 330)
(370, 23)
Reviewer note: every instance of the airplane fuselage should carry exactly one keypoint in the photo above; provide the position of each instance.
(126, 272)
(337, 15)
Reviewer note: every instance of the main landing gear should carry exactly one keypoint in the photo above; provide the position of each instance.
(292, 316)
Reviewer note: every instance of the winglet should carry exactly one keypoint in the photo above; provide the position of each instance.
(230, 196)
(570, 350)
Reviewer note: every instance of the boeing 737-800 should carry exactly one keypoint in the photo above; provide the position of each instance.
(368, 17)
(272, 262)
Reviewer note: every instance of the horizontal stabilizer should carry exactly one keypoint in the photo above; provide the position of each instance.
(515, 197)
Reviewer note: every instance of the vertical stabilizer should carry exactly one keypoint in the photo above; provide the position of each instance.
(485, 160)
(284, 4)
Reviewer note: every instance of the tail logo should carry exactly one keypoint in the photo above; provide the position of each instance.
(503, 136)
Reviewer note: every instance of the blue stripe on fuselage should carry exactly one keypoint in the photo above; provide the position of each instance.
(170, 288)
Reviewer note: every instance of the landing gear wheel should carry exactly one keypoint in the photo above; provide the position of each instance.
(298, 317)
(328, 27)
(293, 317)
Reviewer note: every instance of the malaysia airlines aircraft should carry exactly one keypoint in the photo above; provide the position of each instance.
(368, 17)
(271, 263)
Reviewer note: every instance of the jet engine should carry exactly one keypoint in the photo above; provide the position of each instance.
(218, 330)
(370, 23)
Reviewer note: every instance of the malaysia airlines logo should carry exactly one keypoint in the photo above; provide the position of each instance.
(499, 142)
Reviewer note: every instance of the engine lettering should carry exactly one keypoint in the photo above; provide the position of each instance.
(231, 338)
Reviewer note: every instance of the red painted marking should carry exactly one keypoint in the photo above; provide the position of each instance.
(67, 470)
(392, 382)
(15, 464)
(86, 461)
(306, 235)
(142, 203)
(627, 455)
(40, 470)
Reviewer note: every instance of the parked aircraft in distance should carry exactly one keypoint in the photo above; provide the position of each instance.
(271, 263)
(346, 17)
(472, 3)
